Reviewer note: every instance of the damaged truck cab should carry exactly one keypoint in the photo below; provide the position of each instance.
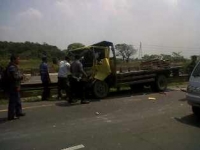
(99, 62)
(99, 66)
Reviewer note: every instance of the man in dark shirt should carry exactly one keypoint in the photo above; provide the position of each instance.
(44, 73)
(15, 77)
(77, 84)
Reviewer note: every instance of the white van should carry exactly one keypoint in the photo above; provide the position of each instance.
(193, 90)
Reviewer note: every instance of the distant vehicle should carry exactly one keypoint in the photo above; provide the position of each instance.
(99, 61)
(193, 90)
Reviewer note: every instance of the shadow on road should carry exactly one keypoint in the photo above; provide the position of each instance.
(191, 120)
(77, 102)
(115, 94)
(66, 104)
(3, 120)
(183, 99)
(129, 92)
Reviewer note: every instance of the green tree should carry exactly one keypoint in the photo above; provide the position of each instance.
(150, 57)
(75, 45)
(125, 51)
(28, 50)
(166, 57)
(176, 56)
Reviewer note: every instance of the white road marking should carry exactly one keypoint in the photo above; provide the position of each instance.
(74, 147)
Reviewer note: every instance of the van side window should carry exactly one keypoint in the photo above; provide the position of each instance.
(196, 72)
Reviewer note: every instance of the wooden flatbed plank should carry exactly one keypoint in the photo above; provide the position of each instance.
(132, 78)
(142, 72)
(136, 82)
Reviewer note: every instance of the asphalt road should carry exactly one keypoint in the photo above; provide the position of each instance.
(120, 122)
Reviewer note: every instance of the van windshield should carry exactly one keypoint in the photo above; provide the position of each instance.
(196, 72)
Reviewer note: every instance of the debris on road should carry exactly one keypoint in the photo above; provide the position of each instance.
(97, 113)
(152, 98)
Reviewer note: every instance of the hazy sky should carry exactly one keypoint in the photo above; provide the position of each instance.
(163, 26)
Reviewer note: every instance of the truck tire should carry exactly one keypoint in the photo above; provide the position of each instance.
(160, 84)
(196, 111)
(100, 89)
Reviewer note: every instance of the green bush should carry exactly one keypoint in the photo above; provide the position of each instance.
(3, 63)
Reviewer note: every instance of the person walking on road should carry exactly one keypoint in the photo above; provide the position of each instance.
(63, 82)
(15, 77)
(77, 84)
(44, 73)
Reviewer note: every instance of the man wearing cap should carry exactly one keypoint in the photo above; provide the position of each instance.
(44, 73)
(77, 84)
(64, 71)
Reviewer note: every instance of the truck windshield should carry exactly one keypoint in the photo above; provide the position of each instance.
(196, 72)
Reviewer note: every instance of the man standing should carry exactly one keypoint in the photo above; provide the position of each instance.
(77, 84)
(44, 73)
(63, 83)
(15, 77)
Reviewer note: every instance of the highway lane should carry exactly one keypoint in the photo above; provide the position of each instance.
(119, 122)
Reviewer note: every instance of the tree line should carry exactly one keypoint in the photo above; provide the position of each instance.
(29, 50)
(174, 57)
(34, 51)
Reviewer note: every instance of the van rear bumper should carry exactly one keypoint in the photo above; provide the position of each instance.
(193, 100)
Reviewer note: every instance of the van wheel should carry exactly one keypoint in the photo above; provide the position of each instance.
(196, 110)
(160, 84)
(100, 89)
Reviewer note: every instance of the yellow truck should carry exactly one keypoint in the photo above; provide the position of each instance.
(99, 61)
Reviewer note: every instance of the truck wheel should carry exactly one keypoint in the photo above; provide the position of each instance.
(160, 84)
(196, 110)
(100, 89)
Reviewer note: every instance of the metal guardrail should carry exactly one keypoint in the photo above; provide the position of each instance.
(27, 90)
(38, 86)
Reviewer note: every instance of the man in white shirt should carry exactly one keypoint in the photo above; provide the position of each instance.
(64, 71)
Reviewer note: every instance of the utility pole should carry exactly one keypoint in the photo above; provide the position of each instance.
(140, 51)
